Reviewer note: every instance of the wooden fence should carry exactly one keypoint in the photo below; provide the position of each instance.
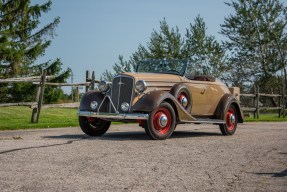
(278, 103)
(41, 82)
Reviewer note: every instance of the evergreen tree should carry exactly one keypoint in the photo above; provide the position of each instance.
(256, 35)
(22, 43)
(168, 43)
(204, 50)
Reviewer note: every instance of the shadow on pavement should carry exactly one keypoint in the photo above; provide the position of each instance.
(279, 174)
(122, 136)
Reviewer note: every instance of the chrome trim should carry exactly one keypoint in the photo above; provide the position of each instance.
(119, 116)
(133, 92)
(211, 121)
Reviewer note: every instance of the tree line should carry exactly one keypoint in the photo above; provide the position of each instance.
(254, 52)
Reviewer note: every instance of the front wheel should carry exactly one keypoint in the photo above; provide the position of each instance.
(230, 118)
(161, 122)
(94, 126)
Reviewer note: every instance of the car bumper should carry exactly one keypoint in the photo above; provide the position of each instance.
(116, 116)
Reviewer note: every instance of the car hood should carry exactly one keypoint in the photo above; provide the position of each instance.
(156, 77)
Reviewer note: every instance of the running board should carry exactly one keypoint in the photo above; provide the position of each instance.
(206, 121)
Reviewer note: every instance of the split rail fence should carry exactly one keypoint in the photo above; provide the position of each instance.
(278, 101)
(41, 82)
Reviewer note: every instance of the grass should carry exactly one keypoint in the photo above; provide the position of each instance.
(266, 118)
(19, 118)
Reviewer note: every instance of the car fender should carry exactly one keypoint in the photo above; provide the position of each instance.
(93, 95)
(225, 102)
(153, 99)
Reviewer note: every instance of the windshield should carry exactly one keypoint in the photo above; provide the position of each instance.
(176, 67)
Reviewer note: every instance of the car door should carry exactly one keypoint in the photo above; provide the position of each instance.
(198, 89)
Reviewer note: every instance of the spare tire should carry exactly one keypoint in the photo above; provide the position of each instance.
(183, 96)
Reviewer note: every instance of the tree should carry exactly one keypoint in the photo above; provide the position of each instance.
(168, 43)
(122, 66)
(256, 40)
(203, 49)
(22, 43)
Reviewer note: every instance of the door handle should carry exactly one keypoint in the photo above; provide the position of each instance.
(203, 91)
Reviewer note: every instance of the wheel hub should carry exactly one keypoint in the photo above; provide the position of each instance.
(183, 100)
(231, 119)
(163, 120)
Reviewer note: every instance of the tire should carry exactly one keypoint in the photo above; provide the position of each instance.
(230, 117)
(183, 96)
(94, 126)
(158, 129)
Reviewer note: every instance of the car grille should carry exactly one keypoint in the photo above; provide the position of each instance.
(122, 91)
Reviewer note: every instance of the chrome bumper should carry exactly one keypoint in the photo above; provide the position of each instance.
(118, 116)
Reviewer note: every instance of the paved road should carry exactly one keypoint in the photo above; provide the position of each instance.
(196, 158)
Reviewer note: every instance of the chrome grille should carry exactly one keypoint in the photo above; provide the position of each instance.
(122, 91)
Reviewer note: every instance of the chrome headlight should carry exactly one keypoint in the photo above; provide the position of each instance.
(125, 106)
(141, 86)
(103, 86)
(94, 105)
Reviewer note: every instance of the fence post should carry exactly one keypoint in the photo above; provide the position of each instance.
(257, 103)
(35, 109)
(77, 94)
(87, 80)
(42, 88)
(283, 100)
(279, 104)
(93, 81)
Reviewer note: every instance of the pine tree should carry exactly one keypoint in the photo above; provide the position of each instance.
(168, 43)
(22, 43)
(256, 35)
(203, 49)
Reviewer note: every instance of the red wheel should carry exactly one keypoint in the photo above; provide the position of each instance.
(161, 122)
(231, 121)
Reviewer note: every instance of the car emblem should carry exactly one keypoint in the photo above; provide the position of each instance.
(121, 83)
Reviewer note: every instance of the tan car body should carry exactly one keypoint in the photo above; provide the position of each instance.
(159, 101)
(207, 94)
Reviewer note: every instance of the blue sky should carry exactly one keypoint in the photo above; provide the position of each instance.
(93, 33)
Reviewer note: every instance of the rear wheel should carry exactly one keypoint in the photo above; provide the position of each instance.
(230, 118)
(93, 126)
(161, 122)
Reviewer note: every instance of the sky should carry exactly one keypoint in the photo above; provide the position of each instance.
(93, 33)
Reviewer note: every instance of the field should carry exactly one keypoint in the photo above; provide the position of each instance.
(19, 118)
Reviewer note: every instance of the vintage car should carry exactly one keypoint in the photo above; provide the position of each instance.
(160, 95)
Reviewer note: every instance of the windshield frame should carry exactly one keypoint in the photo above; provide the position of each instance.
(185, 63)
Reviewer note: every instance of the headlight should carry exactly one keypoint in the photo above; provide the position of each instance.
(94, 105)
(141, 86)
(104, 86)
(125, 106)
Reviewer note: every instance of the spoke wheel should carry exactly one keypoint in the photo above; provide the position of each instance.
(230, 118)
(161, 122)
(94, 126)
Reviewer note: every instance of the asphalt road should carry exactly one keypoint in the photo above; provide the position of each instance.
(195, 158)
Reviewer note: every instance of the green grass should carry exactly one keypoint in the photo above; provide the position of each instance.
(20, 117)
(266, 118)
